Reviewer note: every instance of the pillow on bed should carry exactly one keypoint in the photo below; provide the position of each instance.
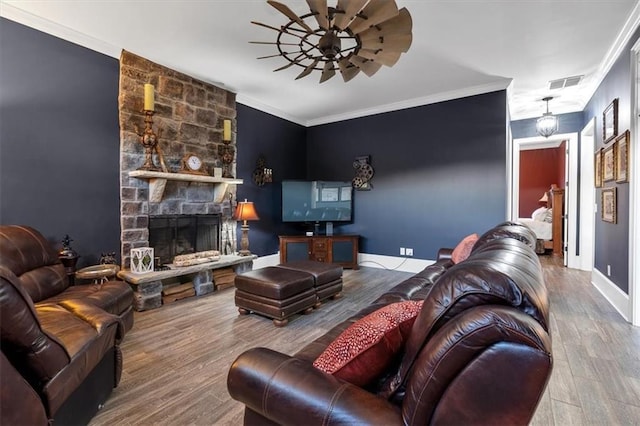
(548, 217)
(539, 214)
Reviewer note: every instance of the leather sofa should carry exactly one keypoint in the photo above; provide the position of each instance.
(60, 344)
(479, 351)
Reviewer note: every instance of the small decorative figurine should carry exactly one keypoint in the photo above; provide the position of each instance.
(67, 251)
(108, 258)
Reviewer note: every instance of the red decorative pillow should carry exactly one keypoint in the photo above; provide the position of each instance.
(463, 249)
(363, 351)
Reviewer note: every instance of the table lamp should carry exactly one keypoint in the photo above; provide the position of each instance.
(245, 211)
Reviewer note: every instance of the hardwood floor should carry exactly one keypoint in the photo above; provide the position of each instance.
(176, 358)
(596, 374)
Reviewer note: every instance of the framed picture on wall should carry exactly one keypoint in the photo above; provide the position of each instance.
(609, 211)
(610, 121)
(597, 168)
(622, 158)
(609, 163)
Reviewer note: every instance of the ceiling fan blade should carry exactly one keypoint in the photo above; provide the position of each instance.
(387, 58)
(284, 31)
(273, 42)
(319, 8)
(377, 11)
(296, 60)
(267, 26)
(284, 9)
(392, 42)
(328, 71)
(308, 69)
(274, 56)
(350, 8)
(367, 66)
(401, 24)
(347, 69)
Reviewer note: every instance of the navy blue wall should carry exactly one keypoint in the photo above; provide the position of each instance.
(567, 123)
(283, 145)
(612, 240)
(59, 140)
(440, 172)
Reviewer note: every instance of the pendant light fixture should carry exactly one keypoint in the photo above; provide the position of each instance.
(547, 125)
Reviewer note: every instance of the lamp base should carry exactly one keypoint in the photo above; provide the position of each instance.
(244, 241)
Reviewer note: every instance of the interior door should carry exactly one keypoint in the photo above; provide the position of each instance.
(587, 196)
(567, 196)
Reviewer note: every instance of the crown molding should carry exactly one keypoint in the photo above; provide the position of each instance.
(396, 106)
(253, 103)
(20, 16)
(613, 53)
(411, 103)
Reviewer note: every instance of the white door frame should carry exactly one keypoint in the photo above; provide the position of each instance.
(634, 190)
(571, 176)
(587, 196)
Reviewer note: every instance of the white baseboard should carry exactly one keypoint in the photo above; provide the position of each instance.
(404, 264)
(616, 297)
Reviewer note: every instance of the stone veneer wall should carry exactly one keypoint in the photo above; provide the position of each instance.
(190, 115)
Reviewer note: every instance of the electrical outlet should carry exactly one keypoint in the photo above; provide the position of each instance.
(409, 252)
(608, 270)
(402, 251)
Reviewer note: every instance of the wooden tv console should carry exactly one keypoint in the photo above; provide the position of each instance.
(338, 249)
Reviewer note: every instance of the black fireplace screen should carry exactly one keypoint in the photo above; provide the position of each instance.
(182, 234)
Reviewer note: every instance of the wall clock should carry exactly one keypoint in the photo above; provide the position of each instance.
(192, 164)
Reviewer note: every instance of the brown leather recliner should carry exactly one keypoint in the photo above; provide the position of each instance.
(60, 344)
(479, 351)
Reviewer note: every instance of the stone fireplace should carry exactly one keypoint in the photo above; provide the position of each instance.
(189, 117)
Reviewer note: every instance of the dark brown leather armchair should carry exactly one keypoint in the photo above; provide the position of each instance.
(479, 351)
(60, 344)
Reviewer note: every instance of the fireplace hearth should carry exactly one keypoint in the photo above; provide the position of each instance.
(172, 235)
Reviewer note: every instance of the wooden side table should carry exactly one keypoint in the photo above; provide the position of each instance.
(98, 273)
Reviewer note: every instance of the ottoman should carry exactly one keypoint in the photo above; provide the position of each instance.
(327, 277)
(275, 292)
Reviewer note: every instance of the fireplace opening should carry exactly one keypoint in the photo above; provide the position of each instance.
(172, 235)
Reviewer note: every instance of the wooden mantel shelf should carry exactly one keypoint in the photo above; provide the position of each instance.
(158, 181)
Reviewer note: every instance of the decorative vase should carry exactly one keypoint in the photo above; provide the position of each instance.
(142, 260)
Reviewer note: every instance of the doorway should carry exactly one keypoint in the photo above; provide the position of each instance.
(571, 225)
(587, 196)
(634, 192)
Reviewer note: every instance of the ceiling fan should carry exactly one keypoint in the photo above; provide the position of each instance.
(353, 36)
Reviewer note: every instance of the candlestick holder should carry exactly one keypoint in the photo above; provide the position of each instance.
(149, 140)
(227, 154)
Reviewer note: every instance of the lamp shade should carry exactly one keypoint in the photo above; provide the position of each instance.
(544, 198)
(246, 211)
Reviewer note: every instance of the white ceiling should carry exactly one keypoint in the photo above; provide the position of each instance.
(460, 48)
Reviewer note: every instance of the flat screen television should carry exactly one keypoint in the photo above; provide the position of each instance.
(316, 201)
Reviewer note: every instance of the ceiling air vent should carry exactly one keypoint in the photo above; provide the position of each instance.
(565, 82)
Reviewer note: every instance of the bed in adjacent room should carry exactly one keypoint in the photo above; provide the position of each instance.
(546, 222)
